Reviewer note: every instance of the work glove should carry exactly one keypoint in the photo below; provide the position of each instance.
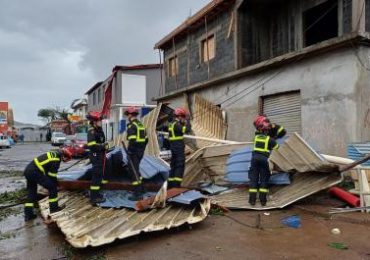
(106, 145)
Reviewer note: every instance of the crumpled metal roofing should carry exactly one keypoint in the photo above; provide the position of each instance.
(312, 174)
(295, 155)
(358, 151)
(149, 167)
(85, 225)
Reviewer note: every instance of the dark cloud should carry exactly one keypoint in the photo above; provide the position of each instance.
(51, 52)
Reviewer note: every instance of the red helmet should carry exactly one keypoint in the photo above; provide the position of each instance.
(180, 112)
(94, 116)
(131, 111)
(265, 126)
(66, 154)
(259, 120)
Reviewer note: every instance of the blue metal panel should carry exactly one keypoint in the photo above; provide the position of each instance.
(238, 165)
(145, 111)
(187, 197)
(358, 151)
(120, 199)
(122, 126)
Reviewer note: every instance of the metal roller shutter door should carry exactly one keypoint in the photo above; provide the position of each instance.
(285, 110)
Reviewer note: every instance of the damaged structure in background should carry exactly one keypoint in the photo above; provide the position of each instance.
(300, 62)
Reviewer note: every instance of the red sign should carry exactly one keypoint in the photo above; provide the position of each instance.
(4, 107)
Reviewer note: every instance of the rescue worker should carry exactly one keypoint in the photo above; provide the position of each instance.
(276, 131)
(43, 170)
(97, 150)
(259, 172)
(177, 129)
(137, 141)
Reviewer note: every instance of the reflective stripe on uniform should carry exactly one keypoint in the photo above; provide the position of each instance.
(275, 147)
(94, 187)
(51, 157)
(172, 136)
(261, 140)
(28, 205)
(91, 143)
(104, 181)
(140, 135)
(280, 130)
(53, 200)
(52, 174)
(252, 190)
(175, 179)
(136, 183)
(263, 190)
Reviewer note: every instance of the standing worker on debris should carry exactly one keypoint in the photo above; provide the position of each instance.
(43, 170)
(259, 171)
(137, 141)
(177, 129)
(97, 148)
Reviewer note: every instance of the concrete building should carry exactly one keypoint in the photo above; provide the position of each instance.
(304, 63)
(131, 86)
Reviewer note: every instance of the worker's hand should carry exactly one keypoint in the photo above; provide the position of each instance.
(106, 145)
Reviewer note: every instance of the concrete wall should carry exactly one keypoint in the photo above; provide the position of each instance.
(99, 102)
(190, 68)
(335, 95)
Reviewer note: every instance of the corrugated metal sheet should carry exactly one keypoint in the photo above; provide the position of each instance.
(85, 225)
(150, 122)
(207, 121)
(297, 156)
(187, 197)
(284, 109)
(358, 151)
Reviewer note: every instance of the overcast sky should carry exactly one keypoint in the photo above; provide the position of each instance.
(52, 52)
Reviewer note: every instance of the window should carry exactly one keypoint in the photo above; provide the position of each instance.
(208, 51)
(173, 66)
(94, 99)
(321, 22)
(99, 95)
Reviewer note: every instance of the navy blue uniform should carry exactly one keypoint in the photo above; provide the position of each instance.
(259, 171)
(137, 141)
(176, 130)
(42, 170)
(97, 148)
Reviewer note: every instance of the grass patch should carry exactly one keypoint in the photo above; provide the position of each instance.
(4, 236)
(216, 212)
(4, 213)
(6, 174)
(13, 196)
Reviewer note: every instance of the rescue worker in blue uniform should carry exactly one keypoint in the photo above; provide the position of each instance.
(43, 170)
(176, 130)
(259, 172)
(97, 151)
(137, 141)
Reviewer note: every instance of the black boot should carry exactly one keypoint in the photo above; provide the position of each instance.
(137, 194)
(28, 214)
(263, 198)
(54, 207)
(96, 197)
(252, 198)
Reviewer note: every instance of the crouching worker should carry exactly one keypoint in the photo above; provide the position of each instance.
(43, 170)
(259, 172)
(137, 141)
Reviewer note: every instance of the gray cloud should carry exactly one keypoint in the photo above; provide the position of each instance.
(51, 52)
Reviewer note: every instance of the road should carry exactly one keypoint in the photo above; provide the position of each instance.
(218, 237)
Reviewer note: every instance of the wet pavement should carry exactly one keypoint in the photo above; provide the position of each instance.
(15, 159)
(235, 236)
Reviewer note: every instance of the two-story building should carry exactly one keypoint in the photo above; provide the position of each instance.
(304, 63)
(131, 86)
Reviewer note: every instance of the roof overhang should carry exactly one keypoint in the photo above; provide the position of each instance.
(210, 11)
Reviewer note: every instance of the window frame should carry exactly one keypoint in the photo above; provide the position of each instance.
(202, 44)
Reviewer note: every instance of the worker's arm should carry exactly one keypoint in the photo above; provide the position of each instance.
(277, 131)
(273, 145)
(92, 144)
(53, 171)
(188, 126)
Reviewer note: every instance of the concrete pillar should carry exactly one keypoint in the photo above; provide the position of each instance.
(358, 16)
